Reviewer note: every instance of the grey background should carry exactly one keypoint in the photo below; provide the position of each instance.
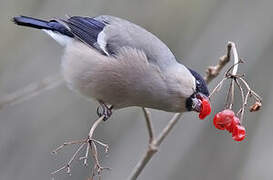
(197, 31)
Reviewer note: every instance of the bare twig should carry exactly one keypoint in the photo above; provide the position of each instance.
(90, 144)
(85, 158)
(236, 58)
(256, 96)
(67, 166)
(218, 87)
(93, 147)
(68, 143)
(142, 163)
(106, 147)
(242, 94)
(243, 106)
(234, 72)
(249, 93)
(212, 72)
(228, 97)
(149, 124)
(230, 75)
(94, 126)
(31, 90)
(168, 128)
(152, 149)
(232, 95)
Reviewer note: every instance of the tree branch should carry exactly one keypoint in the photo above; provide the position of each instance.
(211, 73)
(31, 90)
(167, 129)
(149, 124)
(90, 143)
(236, 58)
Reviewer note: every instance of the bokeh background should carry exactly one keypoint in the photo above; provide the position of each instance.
(195, 30)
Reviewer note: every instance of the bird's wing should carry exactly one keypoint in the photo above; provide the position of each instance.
(110, 34)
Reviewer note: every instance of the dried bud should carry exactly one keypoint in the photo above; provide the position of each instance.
(255, 107)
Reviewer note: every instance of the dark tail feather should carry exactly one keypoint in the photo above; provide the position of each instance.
(42, 24)
(31, 22)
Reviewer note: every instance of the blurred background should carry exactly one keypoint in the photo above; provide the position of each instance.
(197, 31)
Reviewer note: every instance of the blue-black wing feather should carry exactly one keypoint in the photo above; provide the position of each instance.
(85, 28)
(52, 25)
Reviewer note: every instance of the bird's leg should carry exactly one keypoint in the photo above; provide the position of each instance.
(104, 110)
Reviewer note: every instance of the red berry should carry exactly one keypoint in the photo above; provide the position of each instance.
(228, 114)
(227, 117)
(205, 108)
(216, 120)
(238, 133)
(223, 119)
(235, 121)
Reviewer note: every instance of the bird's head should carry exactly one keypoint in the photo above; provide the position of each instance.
(199, 100)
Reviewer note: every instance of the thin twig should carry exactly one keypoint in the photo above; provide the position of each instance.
(94, 126)
(243, 107)
(218, 87)
(66, 144)
(73, 157)
(236, 58)
(149, 124)
(256, 96)
(31, 90)
(250, 92)
(106, 147)
(168, 128)
(98, 168)
(232, 95)
(234, 73)
(152, 149)
(142, 163)
(90, 144)
(213, 71)
(95, 156)
(228, 100)
(242, 94)
(85, 158)
(67, 166)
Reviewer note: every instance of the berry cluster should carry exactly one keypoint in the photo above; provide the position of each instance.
(226, 120)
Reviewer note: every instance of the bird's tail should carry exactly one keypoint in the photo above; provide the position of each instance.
(51, 25)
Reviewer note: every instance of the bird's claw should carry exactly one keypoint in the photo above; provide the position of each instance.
(104, 110)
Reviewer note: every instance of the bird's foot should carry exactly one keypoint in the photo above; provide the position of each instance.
(104, 110)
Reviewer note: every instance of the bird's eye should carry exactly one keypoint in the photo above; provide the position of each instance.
(197, 82)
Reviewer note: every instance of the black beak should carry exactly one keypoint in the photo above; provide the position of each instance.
(197, 101)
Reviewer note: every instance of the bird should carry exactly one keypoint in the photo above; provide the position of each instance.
(120, 64)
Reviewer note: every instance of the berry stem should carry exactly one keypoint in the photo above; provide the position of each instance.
(232, 94)
(244, 104)
(234, 72)
(218, 87)
(229, 96)
(256, 96)
(242, 94)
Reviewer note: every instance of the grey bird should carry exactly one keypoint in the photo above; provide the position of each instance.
(120, 64)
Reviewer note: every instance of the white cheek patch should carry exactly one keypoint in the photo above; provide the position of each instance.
(61, 39)
(101, 42)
